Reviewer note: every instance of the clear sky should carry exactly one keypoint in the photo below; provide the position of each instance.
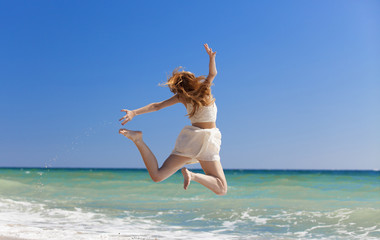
(298, 83)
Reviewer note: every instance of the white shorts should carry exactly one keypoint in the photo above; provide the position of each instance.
(198, 144)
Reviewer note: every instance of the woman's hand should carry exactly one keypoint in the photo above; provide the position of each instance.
(209, 51)
(129, 115)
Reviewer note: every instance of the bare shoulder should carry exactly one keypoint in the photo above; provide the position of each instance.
(181, 100)
(210, 100)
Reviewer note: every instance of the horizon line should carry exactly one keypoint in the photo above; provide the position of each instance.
(233, 169)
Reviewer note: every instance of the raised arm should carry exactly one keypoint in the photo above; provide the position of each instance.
(152, 107)
(212, 66)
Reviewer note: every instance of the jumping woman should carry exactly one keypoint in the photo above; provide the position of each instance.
(199, 142)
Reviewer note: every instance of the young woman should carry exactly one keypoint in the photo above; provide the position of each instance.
(199, 142)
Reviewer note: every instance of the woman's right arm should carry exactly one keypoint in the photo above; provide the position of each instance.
(152, 107)
(212, 66)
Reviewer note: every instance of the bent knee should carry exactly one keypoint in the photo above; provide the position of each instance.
(156, 178)
(222, 191)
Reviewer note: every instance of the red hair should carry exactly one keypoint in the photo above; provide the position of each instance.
(192, 89)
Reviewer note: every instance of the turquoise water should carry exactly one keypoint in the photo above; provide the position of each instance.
(126, 204)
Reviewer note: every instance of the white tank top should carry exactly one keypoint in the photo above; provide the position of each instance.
(203, 114)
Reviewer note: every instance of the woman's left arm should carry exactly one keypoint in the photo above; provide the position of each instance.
(212, 66)
(152, 107)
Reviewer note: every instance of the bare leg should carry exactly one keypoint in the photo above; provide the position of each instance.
(171, 165)
(186, 177)
(213, 178)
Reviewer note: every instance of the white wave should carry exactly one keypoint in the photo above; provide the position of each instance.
(37, 220)
(32, 220)
(257, 219)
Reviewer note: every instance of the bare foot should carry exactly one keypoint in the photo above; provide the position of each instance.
(187, 177)
(133, 135)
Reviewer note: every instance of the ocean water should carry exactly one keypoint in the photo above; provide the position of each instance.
(126, 204)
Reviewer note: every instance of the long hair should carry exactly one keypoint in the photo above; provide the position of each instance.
(192, 89)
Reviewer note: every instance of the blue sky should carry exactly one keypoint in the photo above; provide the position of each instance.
(298, 83)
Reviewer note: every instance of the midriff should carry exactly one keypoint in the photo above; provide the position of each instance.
(204, 125)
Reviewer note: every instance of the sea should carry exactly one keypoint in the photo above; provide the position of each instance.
(50, 203)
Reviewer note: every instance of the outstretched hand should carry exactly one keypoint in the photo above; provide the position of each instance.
(129, 115)
(209, 50)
